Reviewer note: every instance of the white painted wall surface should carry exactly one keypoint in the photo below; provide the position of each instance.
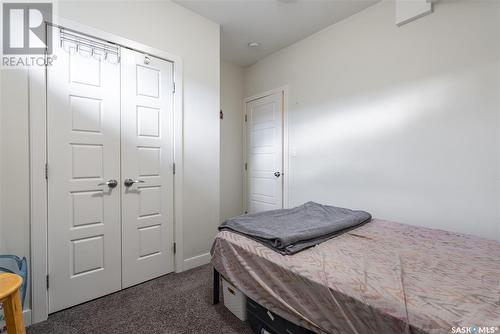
(400, 121)
(231, 167)
(14, 159)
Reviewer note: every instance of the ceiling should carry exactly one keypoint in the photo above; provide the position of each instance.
(274, 24)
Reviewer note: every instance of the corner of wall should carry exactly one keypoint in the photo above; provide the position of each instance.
(231, 159)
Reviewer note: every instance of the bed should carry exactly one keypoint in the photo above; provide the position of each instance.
(382, 277)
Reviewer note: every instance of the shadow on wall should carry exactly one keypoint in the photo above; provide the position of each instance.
(417, 152)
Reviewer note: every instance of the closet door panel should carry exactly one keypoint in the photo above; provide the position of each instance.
(147, 160)
(83, 110)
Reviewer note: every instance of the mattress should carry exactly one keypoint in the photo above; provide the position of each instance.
(382, 277)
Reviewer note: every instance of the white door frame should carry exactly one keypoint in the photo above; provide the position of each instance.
(286, 157)
(38, 159)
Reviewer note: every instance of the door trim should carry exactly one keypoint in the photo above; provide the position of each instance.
(284, 90)
(38, 159)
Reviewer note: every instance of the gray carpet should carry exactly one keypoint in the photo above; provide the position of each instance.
(173, 304)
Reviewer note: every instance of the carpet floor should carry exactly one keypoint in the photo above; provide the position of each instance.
(171, 304)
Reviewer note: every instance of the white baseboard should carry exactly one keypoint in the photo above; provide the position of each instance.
(26, 318)
(196, 261)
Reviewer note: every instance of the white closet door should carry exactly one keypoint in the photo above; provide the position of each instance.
(147, 160)
(83, 152)
(264, 147)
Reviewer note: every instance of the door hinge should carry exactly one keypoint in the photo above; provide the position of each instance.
(46, 171)
(246, 166)
(47, 280)
(173, 168)
(245, 117)
(173, 87)
(221, 115)
(175, 248)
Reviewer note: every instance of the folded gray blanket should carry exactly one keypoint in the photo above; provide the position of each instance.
(289, 231)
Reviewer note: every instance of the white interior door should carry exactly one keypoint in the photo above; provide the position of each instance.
(264, 150)
(83, 153)
(147, 161)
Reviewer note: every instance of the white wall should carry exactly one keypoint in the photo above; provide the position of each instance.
(400, 121)
(231, 168)
(14, 160)
(14, 166)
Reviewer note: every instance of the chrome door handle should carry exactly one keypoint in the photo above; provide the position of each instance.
(130, 182)
(277, 174)
(111, 183)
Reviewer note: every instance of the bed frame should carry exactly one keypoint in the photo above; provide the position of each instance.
(256, 315)
(216, 287)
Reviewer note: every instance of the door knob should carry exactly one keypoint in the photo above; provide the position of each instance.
(111, 183)
(277, 174)
(130, 182)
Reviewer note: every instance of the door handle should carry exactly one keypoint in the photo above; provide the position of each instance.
(130, 182)
(277, 174)
(111, 183)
